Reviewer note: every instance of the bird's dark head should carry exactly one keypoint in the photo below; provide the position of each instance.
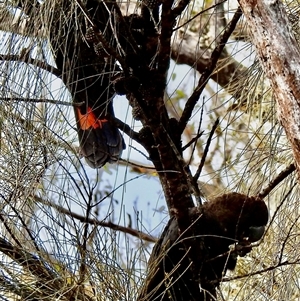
(241, 217)
(241, 221)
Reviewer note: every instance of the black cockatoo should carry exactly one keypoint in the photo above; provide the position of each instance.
(190, 266)
(100, 140)
(88, 72)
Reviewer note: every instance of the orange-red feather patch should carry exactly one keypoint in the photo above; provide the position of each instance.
(89, 120)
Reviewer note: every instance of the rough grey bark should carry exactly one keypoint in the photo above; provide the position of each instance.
(279, 55)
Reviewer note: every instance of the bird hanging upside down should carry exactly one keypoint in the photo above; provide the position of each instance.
(100, 140)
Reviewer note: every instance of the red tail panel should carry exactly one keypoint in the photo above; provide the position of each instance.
(100, 141)
(89, 121)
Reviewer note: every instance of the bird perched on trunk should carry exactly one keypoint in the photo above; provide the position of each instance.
(189, 266)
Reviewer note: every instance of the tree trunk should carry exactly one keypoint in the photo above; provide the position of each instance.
(279, 55)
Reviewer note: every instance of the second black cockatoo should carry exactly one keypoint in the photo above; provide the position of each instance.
(100, 140)
(189, 266)
(88, 73)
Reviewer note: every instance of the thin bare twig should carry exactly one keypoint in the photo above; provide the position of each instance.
(137, 167)
(178, 8)
(93, 221)
(29, 261)
(268, 269)
(279, 206)
(192, 141)
(198, 172)
(193, 99)
(279, 178)
(33, 100)
(34, 62)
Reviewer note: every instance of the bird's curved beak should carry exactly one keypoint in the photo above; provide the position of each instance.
(256, 233)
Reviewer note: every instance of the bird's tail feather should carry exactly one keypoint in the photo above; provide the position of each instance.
(100, 141)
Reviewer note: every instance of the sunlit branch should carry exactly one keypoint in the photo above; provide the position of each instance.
(138, 168)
